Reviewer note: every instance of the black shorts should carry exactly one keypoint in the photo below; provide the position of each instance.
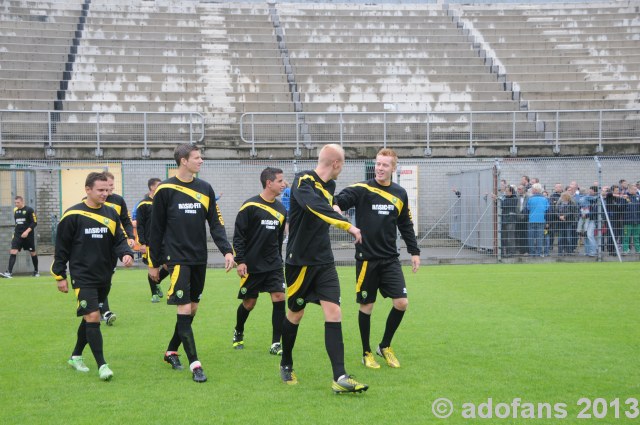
(383, 275)
(89, 299)
(28, 243)
(254, 283)
(311, 284)
(187, 283)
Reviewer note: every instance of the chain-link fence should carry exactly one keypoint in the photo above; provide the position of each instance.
(460, 206)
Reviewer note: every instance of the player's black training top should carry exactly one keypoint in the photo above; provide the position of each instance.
(379, 211)
(178, 233)
(258, 234)
(87, 238)
(310, 215)
(117, 202)
(25, 218)
(143, 218)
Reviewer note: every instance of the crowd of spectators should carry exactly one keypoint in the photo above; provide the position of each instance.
(535, 222)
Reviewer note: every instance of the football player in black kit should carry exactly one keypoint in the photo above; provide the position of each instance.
(382, 208)
(89, 235)
(178, 238)
(257, 245)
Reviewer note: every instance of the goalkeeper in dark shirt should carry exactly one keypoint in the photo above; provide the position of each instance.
(182, 205)
(23, 236)
(257, 245)
(310, 269)
(382, 208)
(89, 235)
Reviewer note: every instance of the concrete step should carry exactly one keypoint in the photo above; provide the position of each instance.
(30, 94)
(98, 36)
(138, 86)
(22, 84)
(127, 96)
(396, 78)
(26, 104)
(134, 106)
(32, 65)
(385, 53)
(384, 62)
(139, 68)
(109, 58)
(186, 28)
(415, 87)
(582, 104)
(411, 107)
(392, 69)
(404, 98)
(571, 76)
(37, 45)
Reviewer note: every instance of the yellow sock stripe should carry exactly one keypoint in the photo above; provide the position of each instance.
(203, 199)
(174, 279)
(97, 217)
(386, 195)
(363, 272)
(291, 290)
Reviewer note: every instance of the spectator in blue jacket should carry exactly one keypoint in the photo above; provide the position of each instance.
(537, 205)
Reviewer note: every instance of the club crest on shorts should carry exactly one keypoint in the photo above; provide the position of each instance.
(83, 303)
(243, 290)
(179, 294)
(364, 294)
(299, 301)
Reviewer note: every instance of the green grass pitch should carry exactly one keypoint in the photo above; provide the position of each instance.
(547, 333)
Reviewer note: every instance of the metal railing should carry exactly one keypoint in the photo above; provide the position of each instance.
(136, 129)
(426, 130)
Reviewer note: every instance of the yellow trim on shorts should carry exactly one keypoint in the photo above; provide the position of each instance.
(291, 290)
(363, 272)
(243, 279)
(77, 292)
(174, 279)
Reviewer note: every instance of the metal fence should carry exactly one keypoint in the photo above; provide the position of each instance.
(512, 129)
(455, 202)
(98, 129)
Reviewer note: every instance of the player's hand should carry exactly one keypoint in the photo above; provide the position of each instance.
(154, 274)
(337, 209)
(228, 262)
(130, 242)
(415, 263)
(355, 232)
(24, 234)
(143, 249)
(63, 286)
(242, 270)
(127, 261)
